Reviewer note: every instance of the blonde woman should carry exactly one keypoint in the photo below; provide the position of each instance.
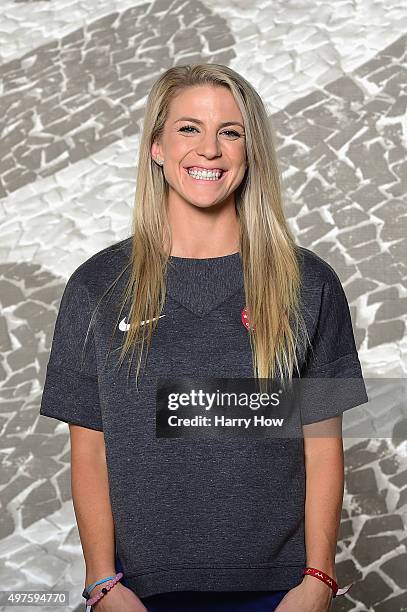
(179, 507)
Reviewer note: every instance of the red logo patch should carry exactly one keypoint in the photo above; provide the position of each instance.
(245, 318)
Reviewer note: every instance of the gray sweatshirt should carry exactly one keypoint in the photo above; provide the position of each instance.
(196, 512)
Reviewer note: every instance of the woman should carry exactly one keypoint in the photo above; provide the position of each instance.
(196, 512)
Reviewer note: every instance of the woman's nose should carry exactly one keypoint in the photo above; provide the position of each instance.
(209, 145)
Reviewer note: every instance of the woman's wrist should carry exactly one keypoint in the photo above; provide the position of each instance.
(327, 568)
(96, 574)
(317, 586)
(331, 574)
(320, 592)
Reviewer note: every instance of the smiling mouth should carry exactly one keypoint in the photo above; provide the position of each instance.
(204, 179)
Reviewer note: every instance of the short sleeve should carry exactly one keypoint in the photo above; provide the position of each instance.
(332, 379)
(71, 390)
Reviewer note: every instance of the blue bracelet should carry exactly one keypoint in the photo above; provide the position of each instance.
(86, 591)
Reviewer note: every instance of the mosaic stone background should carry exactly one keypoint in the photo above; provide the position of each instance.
(74, 75)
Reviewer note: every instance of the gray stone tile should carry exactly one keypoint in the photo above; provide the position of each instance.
(369, 503)
(391, 309)
(380, 333)
(402, 502)
(371, 590)
(391, 209)
(306, 102)
(39, 503)
(10, 293)
(349, 215)
(64, 484)
(52, 446)
(13, 578)
(394, 229)
(398, 250)
(5, 340)
(399, 432)
(357, 236)
(381, 524)
(343, 135)
(341, 265)
(7, 527)
(28, 373)
(393, 603)
(22, 421)
(399, 480)
(346, 88)
(368, 196)
(360, 335)
(379, 77)
(358, 455)
(309, 220)
(391, 293)
(309, 236)
(396, 569)
(361, 481)
(368, 550)
(14, 488)
(381, 267)
(364, 251)
(389, 466)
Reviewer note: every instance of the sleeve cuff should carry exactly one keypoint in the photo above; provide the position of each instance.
(71, 397)
(332, 389)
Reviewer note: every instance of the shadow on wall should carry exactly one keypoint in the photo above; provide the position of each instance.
(35, 457)
(84, 89)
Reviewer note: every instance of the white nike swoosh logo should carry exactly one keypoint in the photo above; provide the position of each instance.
(123, 326)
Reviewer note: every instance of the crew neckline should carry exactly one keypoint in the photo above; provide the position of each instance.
(202, 284)
(175, 258)
(206, 259)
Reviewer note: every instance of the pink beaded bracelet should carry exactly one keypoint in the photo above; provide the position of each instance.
(102, 592)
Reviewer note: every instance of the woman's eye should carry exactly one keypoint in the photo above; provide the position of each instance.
(187, 128)
(232, 132)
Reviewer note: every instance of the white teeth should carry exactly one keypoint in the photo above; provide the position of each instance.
(205, 174)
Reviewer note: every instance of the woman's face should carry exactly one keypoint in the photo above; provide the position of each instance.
(203, 132)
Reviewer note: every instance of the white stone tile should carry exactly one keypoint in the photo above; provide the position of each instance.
(40, 532)
(46, 569)
(12, 545)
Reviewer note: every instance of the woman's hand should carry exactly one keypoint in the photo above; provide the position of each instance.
(119, 598)
(308, 596)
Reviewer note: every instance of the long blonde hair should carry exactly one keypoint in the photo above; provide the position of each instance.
(269, 254)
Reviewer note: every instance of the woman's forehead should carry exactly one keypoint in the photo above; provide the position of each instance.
(203, 100)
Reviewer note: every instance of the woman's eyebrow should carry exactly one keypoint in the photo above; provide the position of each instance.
(201, 122)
